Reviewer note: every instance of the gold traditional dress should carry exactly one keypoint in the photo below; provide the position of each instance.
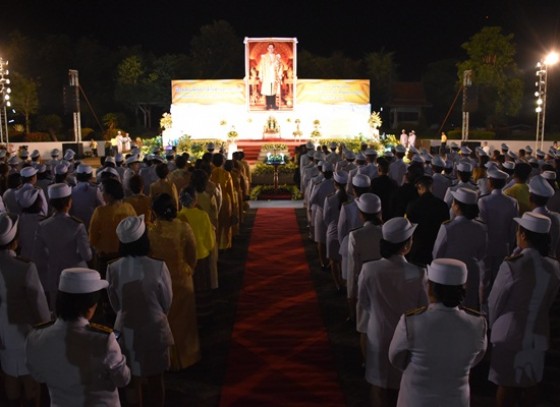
(207, 202)
(142, 204)
(103, 227)
(223, 178)
(164, 186)
(174, 242)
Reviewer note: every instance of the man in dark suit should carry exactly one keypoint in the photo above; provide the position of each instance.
(429, 213)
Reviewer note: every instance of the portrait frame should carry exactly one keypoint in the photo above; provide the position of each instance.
(275, 87)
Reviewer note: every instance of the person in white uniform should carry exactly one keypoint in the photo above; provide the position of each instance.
(140, 294)
(61, 240)
(436, 346)
(81, 363)
(540, 192)
(22, 305)
(387, 288)
(497, 211)
(519, 306)
(29, 179)
(86, 196)
(464, 238)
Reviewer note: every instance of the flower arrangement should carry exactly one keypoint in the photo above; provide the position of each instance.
(375, 121)
(271, 126)
(297, 133)
(274, 159)
(232, 134)
(166, 121)
(316, 133)
(274, 147)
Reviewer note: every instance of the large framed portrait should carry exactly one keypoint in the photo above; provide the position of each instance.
(270, 73)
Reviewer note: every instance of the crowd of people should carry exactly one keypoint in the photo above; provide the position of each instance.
(443, 258)
(128, 251)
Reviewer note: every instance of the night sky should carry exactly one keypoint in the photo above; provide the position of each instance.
(418, 32)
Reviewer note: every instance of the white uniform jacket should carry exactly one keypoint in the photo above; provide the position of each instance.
(435, 347)
(81, 364)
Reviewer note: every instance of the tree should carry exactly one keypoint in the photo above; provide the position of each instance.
(51, 123)
(381, 70)
(491, 58)
(24, 97)
(217, 52)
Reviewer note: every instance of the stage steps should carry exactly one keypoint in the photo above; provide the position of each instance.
(252, 148)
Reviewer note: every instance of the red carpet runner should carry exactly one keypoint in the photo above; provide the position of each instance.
(280, 355)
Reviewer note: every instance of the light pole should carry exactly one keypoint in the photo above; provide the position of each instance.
(5, 91)
(540, 94)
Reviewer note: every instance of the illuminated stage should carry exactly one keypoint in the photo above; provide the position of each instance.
(209, 109)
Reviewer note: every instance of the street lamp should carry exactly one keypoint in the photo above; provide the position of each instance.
(542, 72)
(5, 92)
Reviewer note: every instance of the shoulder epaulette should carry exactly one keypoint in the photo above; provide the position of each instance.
(515, 257)
(445, 222)
(359, 227)
(43, 325)
(416, 311)
(100, 328)
(480, 221)
(76, 219)
(471, 311)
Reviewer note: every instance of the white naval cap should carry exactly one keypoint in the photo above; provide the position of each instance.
(550, 175)
(465, 196)
(504, 147)
(491, 164)
(417, 158)
(61, 169)
(369, 203)
(454, 145)
(349, 155)
(131, 229)
(528, 149)
(538, 185)
(327, 166)
(309, 144)
(437, 161)
(24, 153)
(427, 157)
(400, 149)
(534, 222)
(27, 197)
(447, 271)
(8, 227)
(84, 169)
(41, 168)
(464, 167)
(110, 159)
(81, 280)
(361, 181)
(495, 173)
(465, 150)
(28, 172)
(55, 152)
(510, 165)
(388, 154)
(540, 153)
(35, 154)
(310, 153)
(59, 190)
(317, 155)
(413, 150)
(360, 157)
(512, 155)
(69, 154)
(341, 177)
(370, 151)
(131, 160)
(109, 170)
(397, 230)
(119, 157)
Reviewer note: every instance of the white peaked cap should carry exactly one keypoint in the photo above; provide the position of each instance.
(528, 149)
(349, 155)
(510, 165)
(27, 197)
(447, 271)
(35, 154)
(341, 177)
(327, 166)
(465, 195)
(361, 181)
(28, 172)
(84, 169)
(61, 169)
(369, 203)
(538, 185)
(309, 144)
(495, 173)
(551, 175)
(397, 230)
(535, 222)
(59, 190)
(110, 159)
(465, 150)
(81, 280)
(8, 228)
(464, 167)
(131, 229)
(400, 149)
(437, 161)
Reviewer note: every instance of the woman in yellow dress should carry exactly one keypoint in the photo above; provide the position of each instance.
(173, 241)
(226, 218)
(141, 203)
(237, 180)
(163, 185)
(205, 236)
(104, 222)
